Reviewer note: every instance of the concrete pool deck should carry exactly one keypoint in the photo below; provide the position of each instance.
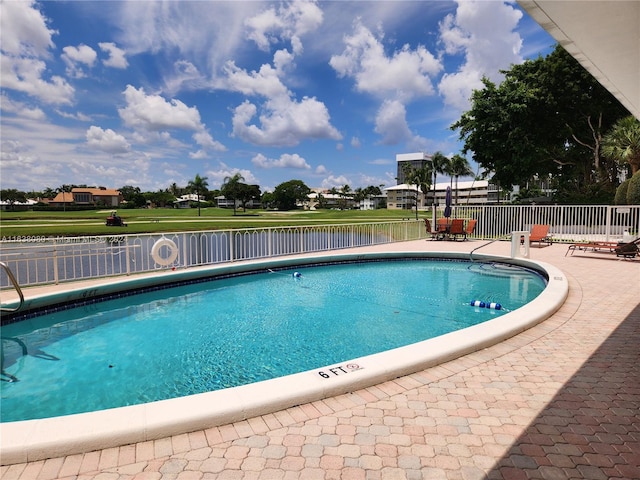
(561, 400)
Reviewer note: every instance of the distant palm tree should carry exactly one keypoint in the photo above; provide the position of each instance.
(198, 184)
(439, 164)
(64, 189)
(622, 143)
(231, 188)
(459, 166)
(421, 178)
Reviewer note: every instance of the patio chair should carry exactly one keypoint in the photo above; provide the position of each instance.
(457, 228)
(540, 234)
(434, 233)
(471, 226)
(442, 225)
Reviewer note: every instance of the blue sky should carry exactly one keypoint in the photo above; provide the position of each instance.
(149, 93)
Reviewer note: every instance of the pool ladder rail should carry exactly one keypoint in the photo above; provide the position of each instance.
(16, 285)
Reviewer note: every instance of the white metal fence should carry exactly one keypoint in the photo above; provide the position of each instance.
(568, 223)
(39, 260)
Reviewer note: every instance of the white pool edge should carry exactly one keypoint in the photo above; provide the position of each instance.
(33, 440)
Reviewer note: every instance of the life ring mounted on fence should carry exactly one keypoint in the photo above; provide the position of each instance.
(172, 249)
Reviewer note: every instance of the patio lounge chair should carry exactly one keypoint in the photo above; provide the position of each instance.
(628, 250)
(540, 234)
(457, 229)
(594, 246)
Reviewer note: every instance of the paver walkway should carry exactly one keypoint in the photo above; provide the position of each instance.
(559, 401)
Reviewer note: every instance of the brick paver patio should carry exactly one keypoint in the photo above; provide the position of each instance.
(559, 401)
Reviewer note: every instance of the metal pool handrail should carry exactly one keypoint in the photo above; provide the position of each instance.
(13, 280)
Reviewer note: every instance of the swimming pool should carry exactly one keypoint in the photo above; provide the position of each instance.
(151, 420)
(228, 332)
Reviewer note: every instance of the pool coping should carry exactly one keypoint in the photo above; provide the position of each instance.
(33, 440)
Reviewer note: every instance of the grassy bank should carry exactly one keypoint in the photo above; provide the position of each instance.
(37, 224)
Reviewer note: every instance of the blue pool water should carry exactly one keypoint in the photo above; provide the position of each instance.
(229, 332)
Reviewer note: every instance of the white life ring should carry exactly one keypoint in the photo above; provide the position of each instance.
(171, 247)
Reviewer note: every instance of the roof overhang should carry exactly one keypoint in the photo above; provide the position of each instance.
(604, 36)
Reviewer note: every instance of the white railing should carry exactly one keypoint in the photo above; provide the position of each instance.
(53, 260)
(41, 260)
(568, 223)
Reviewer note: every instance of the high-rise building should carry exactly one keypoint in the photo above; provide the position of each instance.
(416, 160)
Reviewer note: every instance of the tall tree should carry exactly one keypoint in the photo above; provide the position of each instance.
(421, 178)
(231, 188)
(459, 167)
(64, 189)
(622, 143)
(439, 164)
(546, 118)
(198, 185)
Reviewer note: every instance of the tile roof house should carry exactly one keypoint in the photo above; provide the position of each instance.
(89, 196)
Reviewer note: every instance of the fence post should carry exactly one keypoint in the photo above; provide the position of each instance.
(126, 257)
(56, 280)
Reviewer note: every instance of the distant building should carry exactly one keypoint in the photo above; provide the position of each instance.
(415, 160)
(472, 192)
(4, 205)
(224, 202)
(185, 201)
(88, 197)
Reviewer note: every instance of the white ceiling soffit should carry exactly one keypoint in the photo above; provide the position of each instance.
(604, 36)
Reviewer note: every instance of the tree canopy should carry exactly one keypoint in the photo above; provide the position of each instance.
(288, 194)
(232, 189)
(547, 118)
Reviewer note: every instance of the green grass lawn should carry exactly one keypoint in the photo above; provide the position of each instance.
(92, 222)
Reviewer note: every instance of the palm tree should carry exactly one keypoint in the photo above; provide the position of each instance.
(421, 178)
(459, 166)
(230, 188)
(64, 189)
(439, 164)
(198, 184)
(622, 143)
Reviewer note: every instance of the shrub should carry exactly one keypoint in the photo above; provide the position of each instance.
(621, 193)
(633, 193)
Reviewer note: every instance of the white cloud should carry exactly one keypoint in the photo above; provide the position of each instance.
(333, 181)
(19, 108)
(404, 75)
(355, 142)
(75, 57)
(391, 123)
(75, 116)
(264, 82)
(25, 75)
(286, 160)
(153, 112)
(204, 139)
(24, 30)
(290, 22)
(217, 177)
(106, 140)
(284, 122)
(26, 41)
(116, 58)
(484, 33)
